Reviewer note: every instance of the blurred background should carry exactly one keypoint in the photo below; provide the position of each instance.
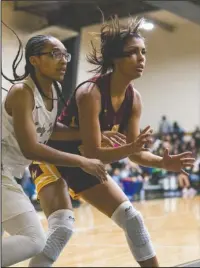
(170, 86)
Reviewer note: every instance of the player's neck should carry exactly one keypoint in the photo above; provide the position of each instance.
(118, 84)
(44, 82)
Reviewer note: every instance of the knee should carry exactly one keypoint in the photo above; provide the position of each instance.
(37, 245)
(61, 228)
(61, 224)
(131, 221)
(124, 212)
(37, 239)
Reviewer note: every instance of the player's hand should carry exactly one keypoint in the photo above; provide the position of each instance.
(177, 163)
(96, 168)
(145, 138)
(112, 138)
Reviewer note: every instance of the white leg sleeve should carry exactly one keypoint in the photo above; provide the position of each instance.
(138, 238)
(27, 238)
(61, 224)
(14, 201)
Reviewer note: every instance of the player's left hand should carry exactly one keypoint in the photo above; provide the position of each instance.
(177, 163)
(111, 138)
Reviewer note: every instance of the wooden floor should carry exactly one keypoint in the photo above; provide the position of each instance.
(174, 225)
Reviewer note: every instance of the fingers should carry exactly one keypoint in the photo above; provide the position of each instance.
(118, 140)
(143, 139)
(186, 154)
(96, 168)
(102, 174)
(190, 160)
(166, 151)
(146, 129)
(120, 135)
(101, 171)
(107, 141)
(112, 137)
(187, 162)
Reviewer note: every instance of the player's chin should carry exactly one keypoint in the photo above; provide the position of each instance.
(138, 75)
(59, 77)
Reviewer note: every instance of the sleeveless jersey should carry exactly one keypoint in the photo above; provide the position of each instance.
(13, 160)
(108, 118)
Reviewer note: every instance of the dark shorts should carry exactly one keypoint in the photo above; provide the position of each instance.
(77, 180)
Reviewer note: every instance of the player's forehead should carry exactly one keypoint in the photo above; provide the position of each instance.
(54, 44)
(134, 42)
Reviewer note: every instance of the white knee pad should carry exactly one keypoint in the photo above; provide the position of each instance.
(131, 221)
(61, 224)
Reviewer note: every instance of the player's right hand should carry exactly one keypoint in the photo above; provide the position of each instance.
(145, 138)
(96, 168)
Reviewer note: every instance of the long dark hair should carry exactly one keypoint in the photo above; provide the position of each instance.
(33, 47)
(113, 37)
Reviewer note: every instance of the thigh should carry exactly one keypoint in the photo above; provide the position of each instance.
(105, 197)
(25, 224)
(51, 188)
(14, 200)
(55, 196)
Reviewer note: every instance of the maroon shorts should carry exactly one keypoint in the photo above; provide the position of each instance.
(77, 180)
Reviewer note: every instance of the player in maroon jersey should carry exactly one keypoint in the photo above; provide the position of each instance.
(109, 102)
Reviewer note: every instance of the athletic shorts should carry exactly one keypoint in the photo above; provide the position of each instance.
(76, 179)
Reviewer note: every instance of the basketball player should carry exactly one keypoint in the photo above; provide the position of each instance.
(106, 102)
(28, 116)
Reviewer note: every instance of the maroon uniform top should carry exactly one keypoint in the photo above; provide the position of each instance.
(76, 178)
(108, 118)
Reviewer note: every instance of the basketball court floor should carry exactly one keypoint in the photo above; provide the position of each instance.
(174, 225)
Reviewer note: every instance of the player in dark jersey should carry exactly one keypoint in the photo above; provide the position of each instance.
(109, 102)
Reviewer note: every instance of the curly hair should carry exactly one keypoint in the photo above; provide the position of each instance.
(113, 37)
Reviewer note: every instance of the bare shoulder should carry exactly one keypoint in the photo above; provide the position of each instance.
(137, 95)
(19, 94)
(88, 92)
(137, 102)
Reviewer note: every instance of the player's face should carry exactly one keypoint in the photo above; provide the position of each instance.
(133, 62)
(53, 63)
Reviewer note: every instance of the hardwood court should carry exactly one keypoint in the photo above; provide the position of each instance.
(174, 225)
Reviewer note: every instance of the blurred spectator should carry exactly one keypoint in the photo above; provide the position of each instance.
(185, 185)
(196, 136)
(164, 126)
(177, 130)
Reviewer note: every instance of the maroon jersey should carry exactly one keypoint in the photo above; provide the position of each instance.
(108, 118)
(76, 178)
